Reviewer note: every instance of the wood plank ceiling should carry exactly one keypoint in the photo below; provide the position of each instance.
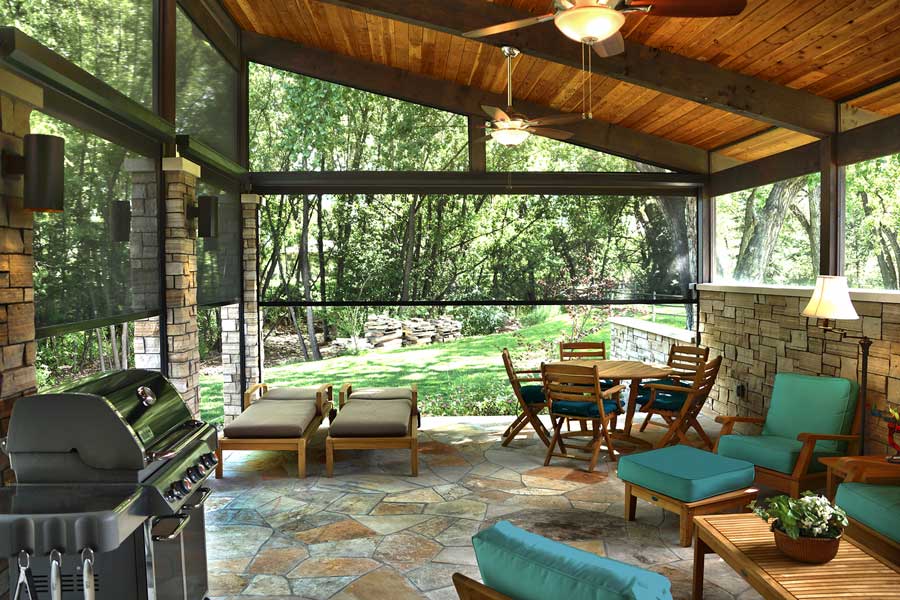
(831, 48)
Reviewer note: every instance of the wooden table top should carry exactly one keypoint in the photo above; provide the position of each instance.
(622, 369)
(745, 542)
(839, 463)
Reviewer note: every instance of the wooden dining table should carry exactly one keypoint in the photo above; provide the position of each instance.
(633, 371)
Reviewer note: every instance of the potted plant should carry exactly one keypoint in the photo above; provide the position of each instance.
(807, 529)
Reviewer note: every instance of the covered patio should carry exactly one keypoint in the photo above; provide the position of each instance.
(374, 237)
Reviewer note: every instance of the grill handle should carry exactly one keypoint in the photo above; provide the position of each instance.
(184, 520)
(205, 493)
(175, 448)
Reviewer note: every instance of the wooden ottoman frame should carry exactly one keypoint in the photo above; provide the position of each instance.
(686, 510)
(324, 404)
(410, 440)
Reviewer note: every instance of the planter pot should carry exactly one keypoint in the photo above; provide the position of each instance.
(806, 549)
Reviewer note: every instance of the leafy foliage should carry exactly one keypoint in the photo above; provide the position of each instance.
(808, 516)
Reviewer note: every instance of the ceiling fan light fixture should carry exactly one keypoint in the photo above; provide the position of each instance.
(510, 133)
(589, 23)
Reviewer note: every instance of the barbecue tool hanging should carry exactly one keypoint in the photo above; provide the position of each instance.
(26, 579)
(55, 575)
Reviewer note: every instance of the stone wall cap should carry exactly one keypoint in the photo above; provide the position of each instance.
(803, 291)
(669, 331)
(250, 199)
(180, 163)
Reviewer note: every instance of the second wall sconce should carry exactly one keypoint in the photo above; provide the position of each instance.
(43, 166)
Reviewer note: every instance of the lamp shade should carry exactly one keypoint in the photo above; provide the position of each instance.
(588, 22)
(44, 173)
(831, 300)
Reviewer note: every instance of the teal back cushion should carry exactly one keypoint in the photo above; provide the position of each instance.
(809, 404)
(526, 566)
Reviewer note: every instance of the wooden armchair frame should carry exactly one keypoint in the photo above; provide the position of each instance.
(324, 403)
(530, 411)
(409, 441)
(578, 383)
(863, 471)
(469, 589)
(682, 420)
(801, 478)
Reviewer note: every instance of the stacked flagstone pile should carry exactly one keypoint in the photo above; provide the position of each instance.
(417, 332)
(383, 331)
(447, 329)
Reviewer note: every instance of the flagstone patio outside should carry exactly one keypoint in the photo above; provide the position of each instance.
(373, 532)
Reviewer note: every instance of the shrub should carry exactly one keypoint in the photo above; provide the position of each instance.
(538, 315)
(481, 320)
(475, 399)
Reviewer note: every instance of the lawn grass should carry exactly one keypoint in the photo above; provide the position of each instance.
(461, 377)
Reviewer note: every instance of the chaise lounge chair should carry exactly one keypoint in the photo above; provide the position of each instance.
(375, 419)
(278, 419)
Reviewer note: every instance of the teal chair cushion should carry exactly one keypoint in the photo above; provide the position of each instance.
(665, 400)
(875, 506)
(573, 408)
(526, 566)
(686, 473)
(533, 394)
(808, 404)
(644, 389)
(770, 451)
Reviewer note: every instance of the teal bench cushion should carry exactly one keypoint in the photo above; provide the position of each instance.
(526, 566)
(809, 404)
(686, 473)
(575, 408)
(533, 394)
(769, 451)
(875, 506)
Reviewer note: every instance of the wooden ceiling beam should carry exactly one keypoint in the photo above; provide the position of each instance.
(640, 65)
(452, 97)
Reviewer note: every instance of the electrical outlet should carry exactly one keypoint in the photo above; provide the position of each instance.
(741, 390)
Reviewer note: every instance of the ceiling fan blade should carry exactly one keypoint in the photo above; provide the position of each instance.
(691, 8)
(563, 4)
(508, 26)
(494, 113)
(615, 44)
(554, 134)
(556, 119)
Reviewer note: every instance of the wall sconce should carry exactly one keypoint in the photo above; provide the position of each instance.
(43, 165)
(206, 211)
(120, 220)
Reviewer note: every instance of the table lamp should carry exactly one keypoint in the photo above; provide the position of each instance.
(831, 301)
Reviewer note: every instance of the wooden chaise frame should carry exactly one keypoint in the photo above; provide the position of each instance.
(866, 472)
(324, 404)
(409, 441)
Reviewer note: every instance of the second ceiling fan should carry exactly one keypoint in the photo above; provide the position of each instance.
(597, 22)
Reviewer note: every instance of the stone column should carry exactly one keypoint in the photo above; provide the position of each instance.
(17, 339)
(181, 279)
(231, 360)
(252, 318)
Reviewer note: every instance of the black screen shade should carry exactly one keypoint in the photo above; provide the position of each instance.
(44, 173)
(207, 214)
(120, 221)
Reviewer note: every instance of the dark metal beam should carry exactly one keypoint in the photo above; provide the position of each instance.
(199, 152)
(640, 65)
(394, 182)
(449, 96)
(217, 25)
(164, 66)
(477, 145)
(832, 210)
(785, 165)
(881, 138)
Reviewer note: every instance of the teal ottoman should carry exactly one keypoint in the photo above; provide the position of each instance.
(688, 482)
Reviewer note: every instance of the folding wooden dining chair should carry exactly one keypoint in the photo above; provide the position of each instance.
(582, 351)
(531, 401)
(679, 406)
(574, 392)
(684, 361)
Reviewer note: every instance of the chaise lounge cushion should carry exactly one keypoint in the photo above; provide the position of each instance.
(291, 393)
(686, 473)
(372, 418)
(526, 566)
(273, 419)
(875, 506)
(770, 451)
(382, 394)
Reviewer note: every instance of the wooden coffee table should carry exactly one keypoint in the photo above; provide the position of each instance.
(747, 545)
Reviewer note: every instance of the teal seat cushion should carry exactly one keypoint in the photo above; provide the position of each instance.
(574, 408)
(809, 404)
(875, 506)
(665, 400)
(769, 451)
(644, 389)
(526, 566)
(533, 394)
(686, 473)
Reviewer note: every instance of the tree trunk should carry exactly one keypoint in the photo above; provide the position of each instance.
(408, 253)
(124, 345)
(886, 263)
(100, 350)
(299, 333)
(116, 359)
(305, 278)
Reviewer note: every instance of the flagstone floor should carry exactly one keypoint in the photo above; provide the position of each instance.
(372, 531)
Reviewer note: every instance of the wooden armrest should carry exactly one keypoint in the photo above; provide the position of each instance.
(863, 470)
(469, 589)
(262, 388)
(612, 391)
(727, 419)
(657, 387)
(804, 437)
(529, 379)
(415, 398)
(345, 392)
(526, 371)
(324, 396)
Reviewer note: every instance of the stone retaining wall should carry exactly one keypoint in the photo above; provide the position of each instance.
(636, 339)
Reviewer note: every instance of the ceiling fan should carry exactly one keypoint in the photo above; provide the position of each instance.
(597, 22)
(510, 128)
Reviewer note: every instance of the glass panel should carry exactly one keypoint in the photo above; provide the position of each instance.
(110, 39)
(543, 154)
(769, 234)
(219, 257)
(205, 90)
(872, 251)
(477, 248)
(304, 124)
(92, 261)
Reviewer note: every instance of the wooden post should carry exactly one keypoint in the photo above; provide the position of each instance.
(833, 204)
(477, 145)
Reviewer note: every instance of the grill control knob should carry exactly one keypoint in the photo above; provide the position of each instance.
(209, 460)
(196, 473)
(182, 488)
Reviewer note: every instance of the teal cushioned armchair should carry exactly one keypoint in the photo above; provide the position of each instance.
(809, 418)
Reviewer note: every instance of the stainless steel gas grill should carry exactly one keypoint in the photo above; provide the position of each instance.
(109, 498)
